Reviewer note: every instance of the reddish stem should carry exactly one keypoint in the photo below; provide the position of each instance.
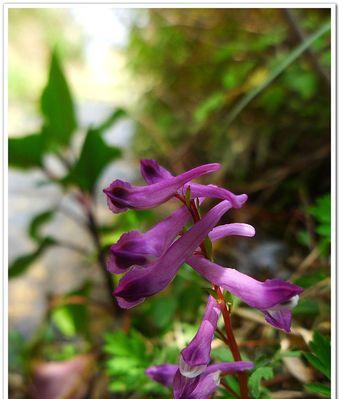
(229, 339)
(232, 342)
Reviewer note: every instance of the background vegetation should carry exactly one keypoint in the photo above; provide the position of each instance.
(249, 88)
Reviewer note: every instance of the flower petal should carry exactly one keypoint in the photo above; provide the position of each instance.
(134, 248)
(164, 374)
(281, 319)
(204, 385)
(152, 172)
(140, 283)
(232, 229)
(122, 195)
(196, 356)
(270, 296)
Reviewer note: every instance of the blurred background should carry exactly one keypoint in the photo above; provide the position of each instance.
(93, 90)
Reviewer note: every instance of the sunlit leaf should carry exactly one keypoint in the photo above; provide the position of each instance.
(254, 382)
(26, 152)
(37, 222)
(319, 388)
(94, 157)
(57, 106)
(22, 263)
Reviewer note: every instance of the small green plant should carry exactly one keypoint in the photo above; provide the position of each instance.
(320, 359)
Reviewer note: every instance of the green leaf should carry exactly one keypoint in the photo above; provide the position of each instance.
(254, 381)
(57, 106)
(208, 247)
(317, 364)
(321, 346)
(73, 319)
(117, 114)
(37, 222)
(127, 361)
(22, 263)
(26, 152)
(17, 352)
(63, 319)
(322, 209)
(95, 156)
(162, 311)
(306, 307)
(320, 358)
(319, 388)
(307, 281)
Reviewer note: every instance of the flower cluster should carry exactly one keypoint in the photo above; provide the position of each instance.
(151, 260)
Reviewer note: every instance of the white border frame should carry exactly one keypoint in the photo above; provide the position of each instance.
(165, 4)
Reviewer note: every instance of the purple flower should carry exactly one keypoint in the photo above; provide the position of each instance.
(231, 229)
(153, 173)
(140, 283)
(134, 248)
(205, 384)
(122, 195)
(275, 298)
(195, 378)
(196, 356)
(199, 387)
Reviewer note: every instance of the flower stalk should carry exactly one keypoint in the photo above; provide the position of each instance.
(229, 339)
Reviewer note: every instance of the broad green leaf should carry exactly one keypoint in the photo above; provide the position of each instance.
(57, 106)
(319, 388)
(26, 152)
(254, 381)
(95, 156)
(22, 263)
(37, 222)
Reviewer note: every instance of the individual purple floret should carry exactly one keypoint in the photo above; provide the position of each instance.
(275, 298)
(199, 387)
(153, 173)
(134, 248)
(122, 195)
(196, 356)
(140, 283)
(195, 377)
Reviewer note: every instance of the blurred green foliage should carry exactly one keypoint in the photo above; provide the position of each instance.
(320, 359)
(196, 66)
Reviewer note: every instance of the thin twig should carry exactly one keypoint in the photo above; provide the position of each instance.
(72, 246)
